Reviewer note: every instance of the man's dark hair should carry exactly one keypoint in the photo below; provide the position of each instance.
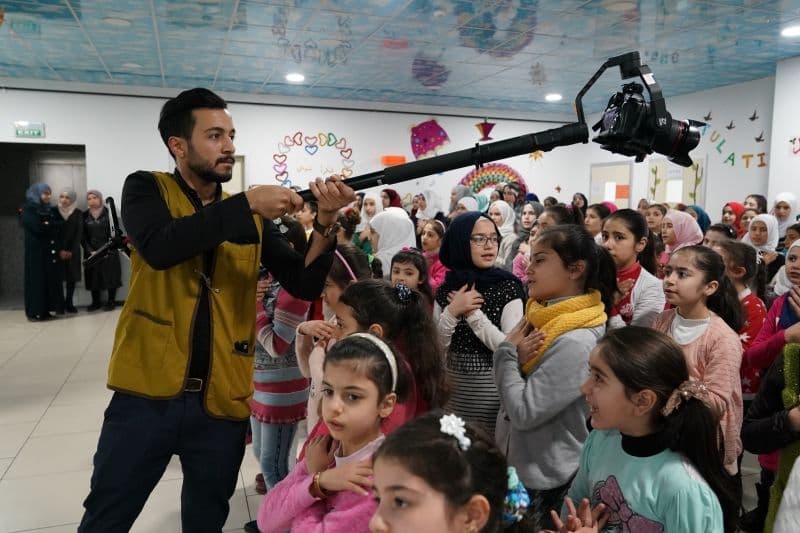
(176, 118)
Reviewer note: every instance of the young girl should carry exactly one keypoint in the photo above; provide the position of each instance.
(773, 420)
(390, 232)
(595, 215)
(527, 220)
(678, 230)
(539, 368)
(410, 268)
(329, 489)
(784, 209)
(651, 464)
(757, 203)
(438, 473)
(554, 215)
(504, 218)
(431, 239)
(370, 206)
(763, 236)
(348, 220)
(627, 239)
(315, 337)
(744, 222)
(717, 234)
(732, 214)
(281, 392)
(655, 216)
(700, 215)
(476, 306)
(704, 322)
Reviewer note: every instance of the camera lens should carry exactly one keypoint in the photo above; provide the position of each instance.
(677, 141)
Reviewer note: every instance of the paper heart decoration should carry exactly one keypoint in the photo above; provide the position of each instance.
(283, 176)
(311, 140)
(282, 148)
(279, 158)
(348, 163)
(331, 139)
(279, 168)
(347, 172)
(342, 144)
(311, 148)
(323, 139)
(288, 141)
(346, 153)
(298, 138)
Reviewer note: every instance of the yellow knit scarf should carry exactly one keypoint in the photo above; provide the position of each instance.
(584, 311)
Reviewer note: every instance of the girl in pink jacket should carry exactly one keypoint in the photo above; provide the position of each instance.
(330, 489)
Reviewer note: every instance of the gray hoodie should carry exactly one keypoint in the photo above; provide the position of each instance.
(541, 425)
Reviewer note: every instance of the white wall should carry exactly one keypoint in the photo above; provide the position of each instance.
(120, 137)
(785, 153)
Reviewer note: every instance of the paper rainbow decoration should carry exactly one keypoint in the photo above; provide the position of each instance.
(492, 175)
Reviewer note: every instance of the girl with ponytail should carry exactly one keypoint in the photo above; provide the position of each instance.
(540, 366)
(705, 317)
(652, 462)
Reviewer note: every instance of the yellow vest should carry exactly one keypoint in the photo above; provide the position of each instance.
(153, 341)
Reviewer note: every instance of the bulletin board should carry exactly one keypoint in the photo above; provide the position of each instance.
(672, 184)
(611, 182)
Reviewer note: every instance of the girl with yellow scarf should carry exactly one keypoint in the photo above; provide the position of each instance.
(540, 367)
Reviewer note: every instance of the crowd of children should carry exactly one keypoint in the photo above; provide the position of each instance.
(520, 367)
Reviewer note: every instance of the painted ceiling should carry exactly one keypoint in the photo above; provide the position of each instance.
(503, 54)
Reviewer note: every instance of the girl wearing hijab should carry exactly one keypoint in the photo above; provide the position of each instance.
(701, 216)
(42, 224)
(763, 236)
(476, 307)
(464, 205)
(785, 210)
(678, 230)
(107, 274)
(391, 231)
(502, 214)
(390, 198)
(458, 192)
(70, 248)
(370, 206)
(732, 214)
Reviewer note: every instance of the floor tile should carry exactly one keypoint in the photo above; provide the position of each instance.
(83, 392)
(55, 453)
(61, 419)
(4, 464)
(62, 528)
(23, 407)
(13, 436)
(42, 501)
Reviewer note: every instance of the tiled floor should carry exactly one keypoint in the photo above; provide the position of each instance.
(52, 397)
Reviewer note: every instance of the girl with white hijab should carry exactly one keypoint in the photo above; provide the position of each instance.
(504, 218)
(763, 236)
(390, 232)
(785, 210)
(371, 206)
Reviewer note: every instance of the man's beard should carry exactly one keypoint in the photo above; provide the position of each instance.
(206, 172)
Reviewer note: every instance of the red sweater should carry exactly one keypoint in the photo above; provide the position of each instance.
(754, 312)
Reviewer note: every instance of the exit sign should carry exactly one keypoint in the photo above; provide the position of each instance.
(29, 130)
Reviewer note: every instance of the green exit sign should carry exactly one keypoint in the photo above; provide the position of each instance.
(29, 130)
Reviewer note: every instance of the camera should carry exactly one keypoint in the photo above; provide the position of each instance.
(631, 126)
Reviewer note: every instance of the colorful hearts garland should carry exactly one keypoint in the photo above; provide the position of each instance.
(311, 145)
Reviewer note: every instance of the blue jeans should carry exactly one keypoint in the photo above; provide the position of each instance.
(138, 439)
(272, 444)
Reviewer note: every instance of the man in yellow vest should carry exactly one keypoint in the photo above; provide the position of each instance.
(182, 361)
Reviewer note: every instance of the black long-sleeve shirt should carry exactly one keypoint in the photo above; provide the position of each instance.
(164, 241)
(766, 425)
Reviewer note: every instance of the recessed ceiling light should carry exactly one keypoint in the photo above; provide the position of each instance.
(295, 77)
(133, 66)
(118, 22)
(791, 31)
(553, 97)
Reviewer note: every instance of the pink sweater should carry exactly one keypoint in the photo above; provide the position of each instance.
(290, 505)
(715, 358)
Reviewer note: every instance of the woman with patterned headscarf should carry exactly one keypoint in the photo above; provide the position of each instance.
(107, 274)
(69, 251)
(42, 275)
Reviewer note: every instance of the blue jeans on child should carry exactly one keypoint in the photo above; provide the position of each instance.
(272, 444)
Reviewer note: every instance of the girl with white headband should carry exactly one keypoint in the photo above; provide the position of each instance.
(330, 489)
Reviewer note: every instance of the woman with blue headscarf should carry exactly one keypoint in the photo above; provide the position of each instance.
(42, 225)
(703, 220)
